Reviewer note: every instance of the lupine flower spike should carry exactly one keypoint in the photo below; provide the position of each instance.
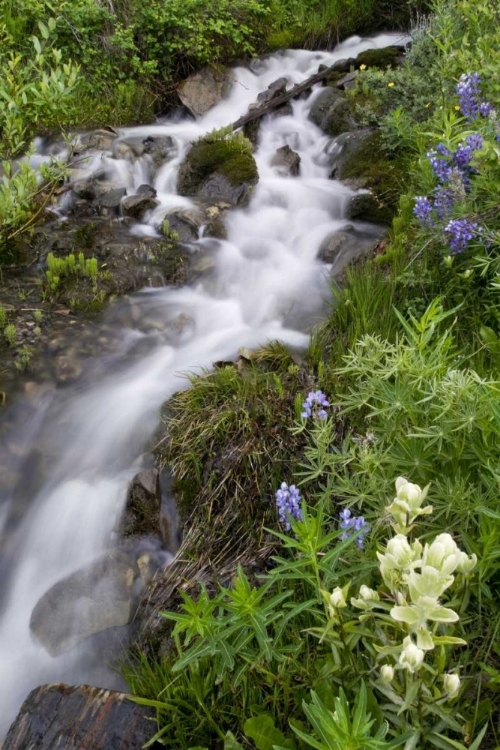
(350, 524)
(315, 405)
(288, 504)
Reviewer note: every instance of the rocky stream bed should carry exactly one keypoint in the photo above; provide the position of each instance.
(231, 245)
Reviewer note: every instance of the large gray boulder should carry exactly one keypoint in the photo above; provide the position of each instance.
(203, 90)
(331, 112)
(80, 718)
(95, 598)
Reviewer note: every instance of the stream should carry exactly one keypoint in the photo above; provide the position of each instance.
(266, 284)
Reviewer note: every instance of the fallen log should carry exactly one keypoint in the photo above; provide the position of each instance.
(341, 66)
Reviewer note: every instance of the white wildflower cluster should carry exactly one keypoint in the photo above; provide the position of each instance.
(417, 577)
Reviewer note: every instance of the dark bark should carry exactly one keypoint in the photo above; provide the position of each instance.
(255, 114)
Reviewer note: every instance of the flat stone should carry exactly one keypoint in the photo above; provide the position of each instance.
(94, 598)
(61, 717)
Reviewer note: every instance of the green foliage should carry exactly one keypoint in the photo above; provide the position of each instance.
(227, 439)
(66, 271)
(10, 333)
(36, 89)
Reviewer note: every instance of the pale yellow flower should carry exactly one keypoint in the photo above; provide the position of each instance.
(391, 84)
(362, 67)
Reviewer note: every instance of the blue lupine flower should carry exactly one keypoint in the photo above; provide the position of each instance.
(444, 199)
(288, 504)
(461, 232)
(485, 109)
(314, 405)
(423, 210)
(441, 167)
(468, 90)
(475, 141)
(351, 524)
(463, 156)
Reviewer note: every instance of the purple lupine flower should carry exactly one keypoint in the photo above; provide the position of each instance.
(423, 210)
(468, 90)
(475, 141)
(440, 167)
(485, 109)
(461, 232)
(443, 201)
(288, 504)
(350, 524)
(463, 156)
(314, 405)
(443, 150)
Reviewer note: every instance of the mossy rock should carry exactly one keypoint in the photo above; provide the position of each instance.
(369, 166)
(332, 112)
(219, 169)
(388, 57)
(367, 207)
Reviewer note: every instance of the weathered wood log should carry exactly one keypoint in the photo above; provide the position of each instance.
(341, 66)
(80, 718)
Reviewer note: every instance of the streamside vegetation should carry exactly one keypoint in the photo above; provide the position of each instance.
(86, 63)
(363, 478)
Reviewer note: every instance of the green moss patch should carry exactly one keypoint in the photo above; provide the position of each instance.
(371, 167)
(379, 58)
(229, 157)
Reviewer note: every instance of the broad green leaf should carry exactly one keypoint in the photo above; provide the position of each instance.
(262, 730)
(231, 743)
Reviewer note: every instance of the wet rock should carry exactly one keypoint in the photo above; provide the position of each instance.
(216, 226)
(85, 189)
(67, 369)
(286, 161)
(340, 248)
(146, 190)
(203, 90)
(218, 170)
(340, 66)
(142, 509)
(159, 148)
(331, 112)
(80, 718)
(112, 198)
(184, 224)
(346, 148)
(95, 598)
(136, 206)
(388, 57)
(275, 89)
(284, 110)
(102, 140)
(364, 163)
(348, 81)
(368, 207)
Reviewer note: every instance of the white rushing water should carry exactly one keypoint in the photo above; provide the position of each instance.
(266, 280)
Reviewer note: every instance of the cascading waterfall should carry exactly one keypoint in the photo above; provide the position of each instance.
(266, 285)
